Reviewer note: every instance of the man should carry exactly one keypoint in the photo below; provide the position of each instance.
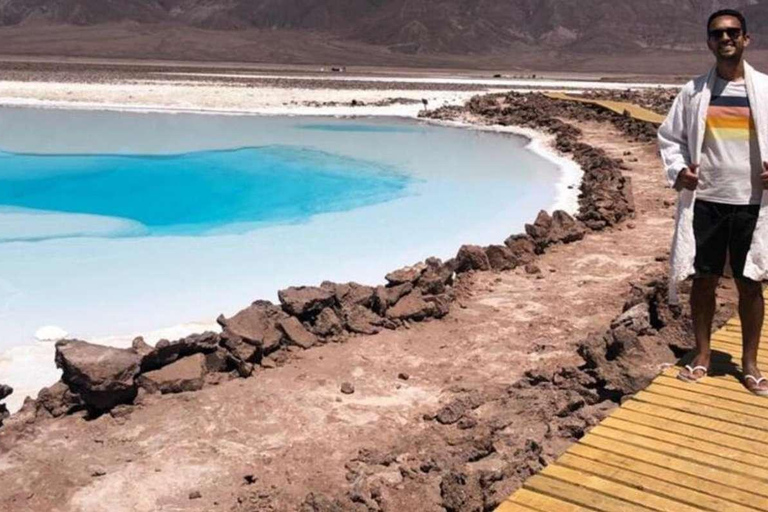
(714, 143)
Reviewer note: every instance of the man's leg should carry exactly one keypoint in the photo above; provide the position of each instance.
(751, 313)
(703, 311)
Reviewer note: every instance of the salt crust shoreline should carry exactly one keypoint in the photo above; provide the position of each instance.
(29, 368)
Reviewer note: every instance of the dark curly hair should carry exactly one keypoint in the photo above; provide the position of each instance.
(729, 12)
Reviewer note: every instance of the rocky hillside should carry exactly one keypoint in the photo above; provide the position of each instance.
(453, 27)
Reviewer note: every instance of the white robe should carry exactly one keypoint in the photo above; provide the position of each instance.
(681, 137)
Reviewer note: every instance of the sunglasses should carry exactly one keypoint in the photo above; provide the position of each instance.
(733, 33)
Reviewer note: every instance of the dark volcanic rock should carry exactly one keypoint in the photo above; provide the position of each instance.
(184, 375)
(501, 257)
(441, 304)
(559, 228)
(5, 391)
(385, 297)
(217, 361)
(523, 248)
(361, 320)
(306, 301)
(58, 400)
(350, 293)
(297, 333)
(406, 274)
(461, 493)
(437, 277)
(102, 376)
(411, 307)
(328, 323)
(472, 257)
(166, 352)
(239, 349)
(257, 325)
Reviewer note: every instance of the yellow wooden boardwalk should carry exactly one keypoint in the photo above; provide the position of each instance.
(674, 447)
(620, 107)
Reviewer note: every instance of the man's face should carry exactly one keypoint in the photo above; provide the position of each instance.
(726, 39)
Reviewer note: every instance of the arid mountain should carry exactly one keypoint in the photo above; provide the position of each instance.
(407, 27)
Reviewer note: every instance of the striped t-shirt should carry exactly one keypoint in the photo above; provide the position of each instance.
(730, 160)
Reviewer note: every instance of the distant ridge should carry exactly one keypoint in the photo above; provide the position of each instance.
(393, 29)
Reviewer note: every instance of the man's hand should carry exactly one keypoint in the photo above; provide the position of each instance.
(689, 178)
(764, 176)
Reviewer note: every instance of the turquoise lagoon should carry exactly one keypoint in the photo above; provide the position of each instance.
(115, 223)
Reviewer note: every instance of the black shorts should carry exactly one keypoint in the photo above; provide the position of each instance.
(722, 230)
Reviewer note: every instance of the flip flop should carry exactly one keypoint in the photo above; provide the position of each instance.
(692, 370)
(756, 390)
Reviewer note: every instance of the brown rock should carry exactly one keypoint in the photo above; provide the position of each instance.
(437, 278)
(532, 269)
(58, 400)
(141, 347)
(471, 257)
(461, 493)
(5, 391)
(257, 325)
(559, 228)
(406, 274)
(441, 304)
(385, 297)
(327, 323)
(523, 248)
(501, 257)
(102, 376)
(186, 374)
(306, 301)
(540, 228)
(239, 349)
(347, 388)
(350, 293)
(297, 333)
(165, 352)
(411, 307)
(217, 361)
(361, 320)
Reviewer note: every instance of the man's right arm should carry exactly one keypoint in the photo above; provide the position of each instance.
(673, 140)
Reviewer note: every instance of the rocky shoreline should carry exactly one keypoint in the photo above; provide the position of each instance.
(557, 404)
(98, 378)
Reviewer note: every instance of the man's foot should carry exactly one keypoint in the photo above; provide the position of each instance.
(696, 370)
(755, 382)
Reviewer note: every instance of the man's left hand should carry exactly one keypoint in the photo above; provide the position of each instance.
(764, 176)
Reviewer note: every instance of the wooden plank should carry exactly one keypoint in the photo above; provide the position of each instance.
(694, 443)
(703, 410)
(509, 506)
(675, 428)
(730, 382)
(664, 413)
(543, 503)
(620, 107)
(674, 462)
(632, 493)
(725, 497)
(735, 351)
(579, 495)
(726, 394)
(680, 393)
(692, 454)
(651, 479)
